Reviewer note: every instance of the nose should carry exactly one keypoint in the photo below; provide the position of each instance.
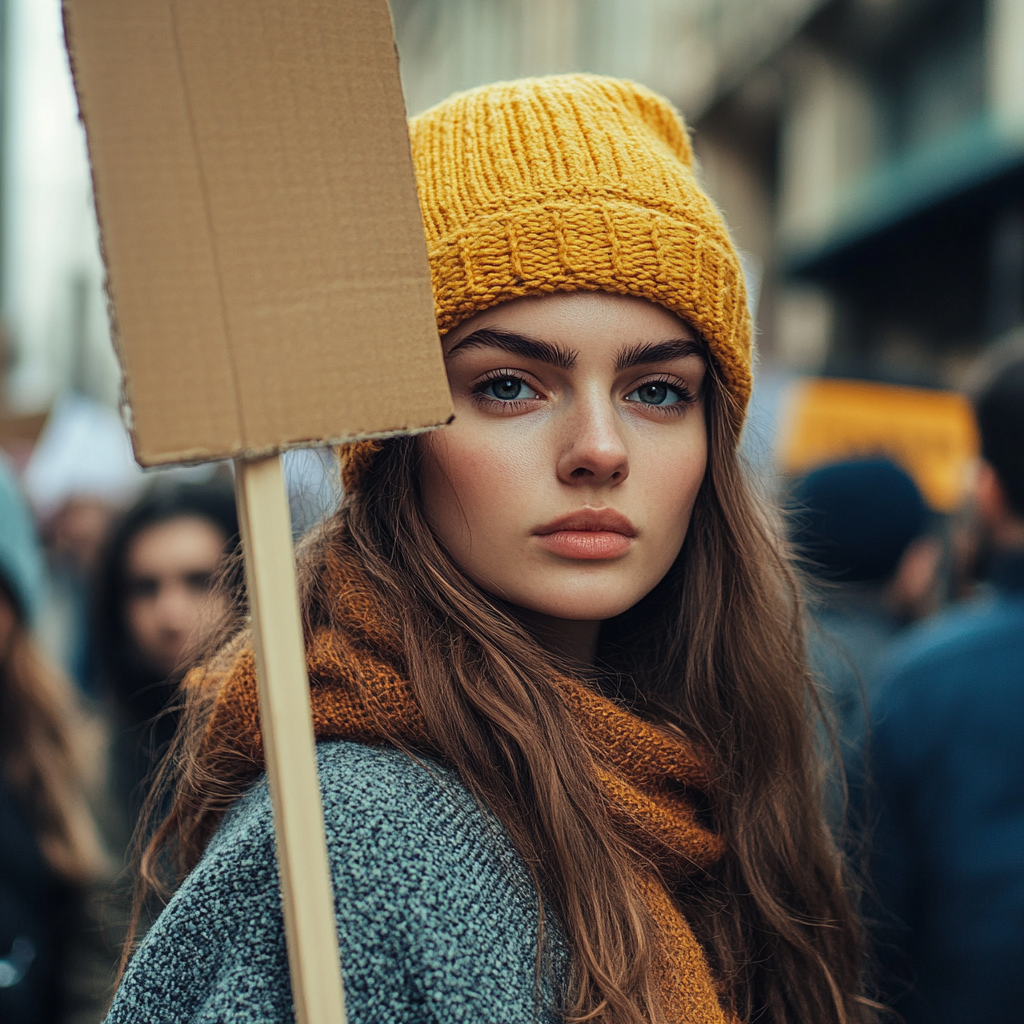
(595, 451)
(175, 607)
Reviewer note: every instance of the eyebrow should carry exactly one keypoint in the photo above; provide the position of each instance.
(565, 359)
(518, 345)
(658, 352)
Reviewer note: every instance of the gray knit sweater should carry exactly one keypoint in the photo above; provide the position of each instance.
(437, 915)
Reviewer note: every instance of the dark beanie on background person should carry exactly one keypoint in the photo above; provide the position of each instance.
(852, 521)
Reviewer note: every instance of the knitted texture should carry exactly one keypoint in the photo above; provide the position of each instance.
(576, 183)
(436, 914)
(358, 694)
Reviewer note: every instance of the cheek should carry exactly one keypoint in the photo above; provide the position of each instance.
(140, 615)
(670, 476)
(474, 488)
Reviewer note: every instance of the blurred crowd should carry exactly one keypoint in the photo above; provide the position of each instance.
(917, 633)
(108, 578)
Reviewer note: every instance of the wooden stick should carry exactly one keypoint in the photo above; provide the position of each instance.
(288, 744)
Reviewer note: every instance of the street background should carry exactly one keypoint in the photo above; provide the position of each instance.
(868, 156)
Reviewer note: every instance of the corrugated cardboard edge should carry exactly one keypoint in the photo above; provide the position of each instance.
(125, 400)
(197, 456)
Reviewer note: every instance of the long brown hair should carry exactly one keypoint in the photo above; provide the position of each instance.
(51, 753)
(715, 652)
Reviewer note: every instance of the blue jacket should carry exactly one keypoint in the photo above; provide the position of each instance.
(437, 915)
(947, 754)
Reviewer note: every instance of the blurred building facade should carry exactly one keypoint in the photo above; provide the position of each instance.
(54, 313)
(690, 50)
(887, 137)
(868, 155)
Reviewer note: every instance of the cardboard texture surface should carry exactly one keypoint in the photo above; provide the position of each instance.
(257, 205)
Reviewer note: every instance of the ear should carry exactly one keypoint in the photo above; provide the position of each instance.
(989, 497)
(913, 589)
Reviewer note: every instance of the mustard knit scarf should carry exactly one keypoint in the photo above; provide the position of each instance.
(357, 694)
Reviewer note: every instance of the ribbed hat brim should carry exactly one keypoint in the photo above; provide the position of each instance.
(602, 243)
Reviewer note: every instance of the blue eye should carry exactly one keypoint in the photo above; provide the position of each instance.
(656, 392)
(508, 389)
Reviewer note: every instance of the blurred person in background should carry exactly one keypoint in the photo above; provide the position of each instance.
(862, 528)
(80, 476)
(947, 766)
(154, 590)
(50, 851)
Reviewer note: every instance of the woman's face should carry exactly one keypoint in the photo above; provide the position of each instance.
(169, 568)
(566, 482)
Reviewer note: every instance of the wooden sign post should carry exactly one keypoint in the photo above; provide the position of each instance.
(288, 745)
(269, 288)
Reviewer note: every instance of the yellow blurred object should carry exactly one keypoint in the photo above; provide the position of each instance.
(931, 434)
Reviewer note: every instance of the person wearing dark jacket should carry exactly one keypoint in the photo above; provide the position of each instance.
(861, 527)
(947, 760)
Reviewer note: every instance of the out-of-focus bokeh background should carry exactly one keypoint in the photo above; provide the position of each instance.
(868, 156)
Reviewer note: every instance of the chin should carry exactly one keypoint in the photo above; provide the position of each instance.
(592, 603)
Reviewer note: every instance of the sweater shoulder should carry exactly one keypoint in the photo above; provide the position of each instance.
(386, 809)
(382, 782)
(435, 910)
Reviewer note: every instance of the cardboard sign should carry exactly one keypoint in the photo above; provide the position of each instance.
(257, 205)
(268, 277)
(931, 434)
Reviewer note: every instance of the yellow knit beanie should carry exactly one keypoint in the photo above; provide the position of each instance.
(573, 183)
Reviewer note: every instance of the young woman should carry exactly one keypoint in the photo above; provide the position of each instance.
(554, 648)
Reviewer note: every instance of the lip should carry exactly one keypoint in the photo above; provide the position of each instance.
(588, 534)
(587, 520)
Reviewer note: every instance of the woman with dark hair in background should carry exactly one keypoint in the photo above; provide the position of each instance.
(50, 755)
(154, 590)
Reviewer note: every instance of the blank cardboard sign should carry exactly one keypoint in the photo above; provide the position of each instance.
(257, 206)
